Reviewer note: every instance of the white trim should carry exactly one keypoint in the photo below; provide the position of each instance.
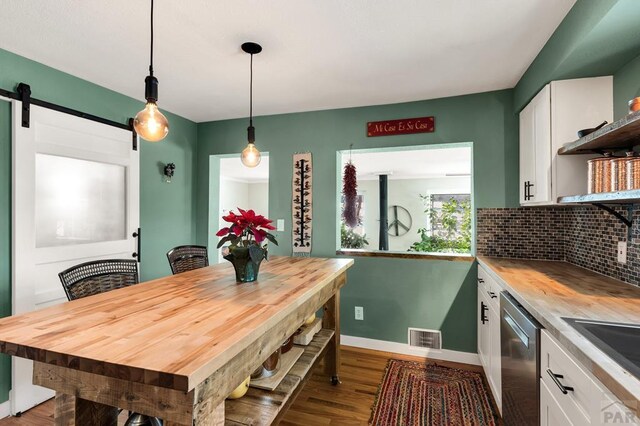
(5, 409)
(405, 349)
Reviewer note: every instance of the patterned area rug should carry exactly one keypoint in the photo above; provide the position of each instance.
(419, 394)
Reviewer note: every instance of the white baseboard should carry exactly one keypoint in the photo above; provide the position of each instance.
(405, 349)
(5, 409)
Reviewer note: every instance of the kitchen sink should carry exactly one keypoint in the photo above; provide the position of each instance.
(618, 340)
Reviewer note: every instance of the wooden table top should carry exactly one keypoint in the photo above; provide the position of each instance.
(551, 290)
(174, 331)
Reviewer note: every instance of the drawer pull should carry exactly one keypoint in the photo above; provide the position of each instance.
(483, 309)
(480, 280)
(564, 389)
(492, 294)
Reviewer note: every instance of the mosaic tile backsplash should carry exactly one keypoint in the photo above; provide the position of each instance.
(585, 236)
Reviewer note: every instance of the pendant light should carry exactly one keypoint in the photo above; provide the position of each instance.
(250, 156)
(150, 124)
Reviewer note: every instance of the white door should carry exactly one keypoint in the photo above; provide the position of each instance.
(495, 354)
(551, 412)
(75, 199)
(535, 150)
(527, 153)
(483, 331)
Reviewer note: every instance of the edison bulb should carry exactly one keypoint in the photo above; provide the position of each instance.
(150, 124)
(250, 155)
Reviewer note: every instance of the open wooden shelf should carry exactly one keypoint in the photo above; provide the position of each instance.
(619, 197)
(261, 407)
(617, 136)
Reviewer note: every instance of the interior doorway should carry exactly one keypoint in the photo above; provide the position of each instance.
(232, 185)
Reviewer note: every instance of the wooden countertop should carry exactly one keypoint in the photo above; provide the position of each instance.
(171, 332)
(551, 290)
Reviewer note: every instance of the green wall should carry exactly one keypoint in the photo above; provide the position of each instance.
(626, 86)
(395, 293)
(166, 210)
(597, 37)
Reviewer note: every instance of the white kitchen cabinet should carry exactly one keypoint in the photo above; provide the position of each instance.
(495, 355)
(551, 413)
(483, 331)
(489, 333)
(549, 121)
(570, 395)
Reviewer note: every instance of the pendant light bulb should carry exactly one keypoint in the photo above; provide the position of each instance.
(150, 124)
(250, 156)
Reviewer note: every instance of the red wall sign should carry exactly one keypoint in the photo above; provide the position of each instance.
(401, 127)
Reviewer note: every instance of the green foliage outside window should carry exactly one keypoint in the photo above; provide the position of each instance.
(451, 228)
(350, 239)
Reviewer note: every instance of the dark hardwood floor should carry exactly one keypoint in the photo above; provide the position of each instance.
(319, 403)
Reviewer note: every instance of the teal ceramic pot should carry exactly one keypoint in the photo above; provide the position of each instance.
(246, 262)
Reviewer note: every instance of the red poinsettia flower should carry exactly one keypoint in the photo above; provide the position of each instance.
(238, 229)
(246, 228)
(231, 217)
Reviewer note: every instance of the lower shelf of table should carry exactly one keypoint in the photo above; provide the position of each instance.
(261, 407)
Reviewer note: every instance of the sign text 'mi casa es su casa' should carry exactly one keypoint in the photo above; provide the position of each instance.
(404, 126)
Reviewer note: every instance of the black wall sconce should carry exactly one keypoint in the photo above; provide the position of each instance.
(169, 169)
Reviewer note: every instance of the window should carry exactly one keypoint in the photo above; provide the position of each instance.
(428, 200)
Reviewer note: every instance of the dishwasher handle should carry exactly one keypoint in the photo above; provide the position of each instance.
(516, 328)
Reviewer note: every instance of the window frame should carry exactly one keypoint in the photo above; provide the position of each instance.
(404, 254)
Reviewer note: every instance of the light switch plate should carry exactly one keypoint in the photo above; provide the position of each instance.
(280, 225)
(622, 251)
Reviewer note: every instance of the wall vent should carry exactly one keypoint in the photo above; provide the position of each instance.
(421, 338)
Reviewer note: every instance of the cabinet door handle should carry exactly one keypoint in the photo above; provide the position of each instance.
(526, 190)
(483, 309)
(564, 389)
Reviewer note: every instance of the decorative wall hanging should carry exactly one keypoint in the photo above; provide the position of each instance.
(350, 193)
(404, 126)
(302, 204)
(399, 221)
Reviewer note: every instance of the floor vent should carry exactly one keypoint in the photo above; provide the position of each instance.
(420, 338)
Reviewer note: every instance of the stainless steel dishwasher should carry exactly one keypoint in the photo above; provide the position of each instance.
(520, 346)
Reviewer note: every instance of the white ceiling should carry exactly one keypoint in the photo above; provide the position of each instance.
(318, 54)
(411, 164)
(233, 169)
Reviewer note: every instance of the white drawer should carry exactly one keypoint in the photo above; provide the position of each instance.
(577, 403)
(589, 401)
(551, 412)
(490, 287)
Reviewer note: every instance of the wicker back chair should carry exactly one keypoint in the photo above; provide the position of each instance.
(98, 276)
(187, 258)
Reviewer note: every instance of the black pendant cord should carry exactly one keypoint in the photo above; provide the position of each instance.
(151, 54)
(251, 94)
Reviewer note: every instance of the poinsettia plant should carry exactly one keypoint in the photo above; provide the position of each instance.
(246, 229)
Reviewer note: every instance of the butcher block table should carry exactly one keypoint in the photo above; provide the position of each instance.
(175, 347)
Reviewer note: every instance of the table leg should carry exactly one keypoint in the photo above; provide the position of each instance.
(73, 411)
(331, 320)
